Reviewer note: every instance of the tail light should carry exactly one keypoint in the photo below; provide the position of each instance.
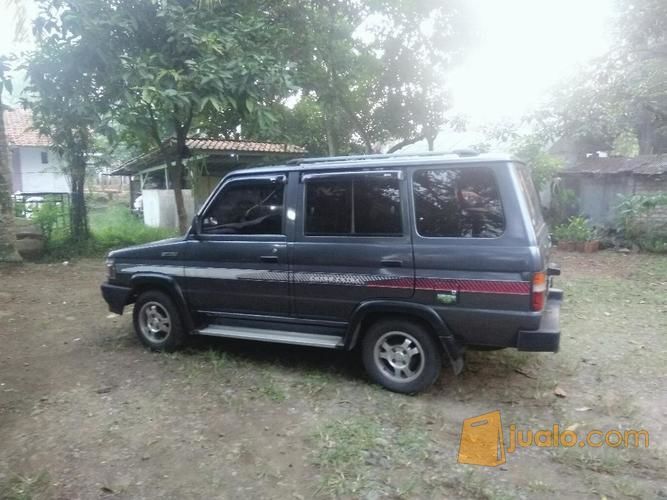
(539, 291)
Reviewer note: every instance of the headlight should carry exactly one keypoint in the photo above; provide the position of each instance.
(111, 269)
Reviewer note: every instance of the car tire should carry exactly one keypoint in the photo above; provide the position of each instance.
(157, 322)
(401, 356)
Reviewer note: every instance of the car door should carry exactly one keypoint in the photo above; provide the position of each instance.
(238, 262)
(352, 242)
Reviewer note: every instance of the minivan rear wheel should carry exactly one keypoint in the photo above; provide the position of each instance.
(157, 321)
(401, 355)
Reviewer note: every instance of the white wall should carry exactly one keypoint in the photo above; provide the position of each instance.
(160, 207)
(39, 177)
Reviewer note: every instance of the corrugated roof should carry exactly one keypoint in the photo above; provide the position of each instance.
(203, 145)
(641, 165)
(20, 131)
(210, 147)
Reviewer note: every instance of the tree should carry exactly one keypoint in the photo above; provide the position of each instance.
(381, 64)
(64, 99)
(7, 232)
(622, 93)
(8, 251)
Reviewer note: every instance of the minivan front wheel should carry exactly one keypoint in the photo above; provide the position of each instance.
(401, 356)
(157, 321)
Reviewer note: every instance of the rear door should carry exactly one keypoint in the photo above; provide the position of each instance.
(238, 264)
(352, 242)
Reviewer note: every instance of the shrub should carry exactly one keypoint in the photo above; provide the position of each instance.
(638, 221)
(116, 227)
(576, 229)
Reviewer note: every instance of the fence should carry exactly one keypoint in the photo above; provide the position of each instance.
(27, 205)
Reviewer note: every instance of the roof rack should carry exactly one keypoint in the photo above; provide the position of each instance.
(328, 159)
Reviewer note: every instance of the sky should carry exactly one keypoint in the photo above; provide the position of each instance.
(525, 48)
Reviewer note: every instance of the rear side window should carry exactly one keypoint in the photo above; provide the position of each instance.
(355, 206)
(458, 203)
(532, 198)
(246, 207)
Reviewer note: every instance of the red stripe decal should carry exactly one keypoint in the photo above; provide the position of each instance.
(460, 285)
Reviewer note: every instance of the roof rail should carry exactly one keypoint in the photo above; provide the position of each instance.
(328, 159)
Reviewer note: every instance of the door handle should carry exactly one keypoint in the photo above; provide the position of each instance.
(392, 263)
(269, 258)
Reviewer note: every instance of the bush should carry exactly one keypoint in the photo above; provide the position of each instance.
(635, 221)
(576, 229)
(116, 227)
(111, 228)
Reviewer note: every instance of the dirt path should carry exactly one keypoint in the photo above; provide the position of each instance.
(86, 412)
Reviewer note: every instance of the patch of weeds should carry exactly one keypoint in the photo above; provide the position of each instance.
(344, 447)
(20, 487)
(630, 489)
(604, 460)
(268, 388)
(217, 360)
(360, 457)
(540, 487)
(472, 483)
(313, 382)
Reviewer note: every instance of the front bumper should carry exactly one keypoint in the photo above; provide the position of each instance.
(116, 296)
(547, 337)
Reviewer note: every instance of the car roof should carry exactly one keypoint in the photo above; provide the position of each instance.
(378, 161)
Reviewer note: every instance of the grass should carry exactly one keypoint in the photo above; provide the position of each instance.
(362, 457)
(20, 487)
(110, 228)
(116, 227)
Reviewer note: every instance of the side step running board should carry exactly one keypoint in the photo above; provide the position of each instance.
(278, 336)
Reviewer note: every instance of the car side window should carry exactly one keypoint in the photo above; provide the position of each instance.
(458, 203)
(355, 206)
(246, 207)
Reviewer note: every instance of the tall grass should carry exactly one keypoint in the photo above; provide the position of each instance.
(110, 227)
(116, 227)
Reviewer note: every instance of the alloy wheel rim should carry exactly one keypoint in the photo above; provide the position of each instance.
(155, 322)
(399, 356)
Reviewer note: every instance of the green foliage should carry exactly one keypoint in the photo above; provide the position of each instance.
(47, 217)
(563, 204)
(116, 227)
(576, 229)
(111, 228)
(634, 219)
(543, 165)
(619, 101)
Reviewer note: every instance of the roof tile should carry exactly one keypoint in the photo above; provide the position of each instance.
(20, 131)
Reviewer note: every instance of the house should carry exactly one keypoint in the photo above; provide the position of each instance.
(206, 162)
(599, 183)
(35, 168)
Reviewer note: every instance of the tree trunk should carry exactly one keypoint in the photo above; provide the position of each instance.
(79, 214)
(431, 142)
(176, 178)
(8, 251)
(329, 128)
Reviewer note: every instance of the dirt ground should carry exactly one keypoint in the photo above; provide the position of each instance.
(86, 412)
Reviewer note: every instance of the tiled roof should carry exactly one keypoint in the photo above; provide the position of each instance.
(20, 131)
(642, 165)
(203, 145)
(214, 148)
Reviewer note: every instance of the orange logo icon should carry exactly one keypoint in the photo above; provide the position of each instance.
(482, 440)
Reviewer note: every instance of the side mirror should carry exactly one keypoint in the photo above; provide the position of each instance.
(196, 225)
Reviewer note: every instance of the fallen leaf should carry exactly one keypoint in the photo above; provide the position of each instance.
(560, 392)
(584, 408)
(525, 374)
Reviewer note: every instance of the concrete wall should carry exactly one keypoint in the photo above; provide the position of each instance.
(598, 195)
(160, 207)
(37, 177)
